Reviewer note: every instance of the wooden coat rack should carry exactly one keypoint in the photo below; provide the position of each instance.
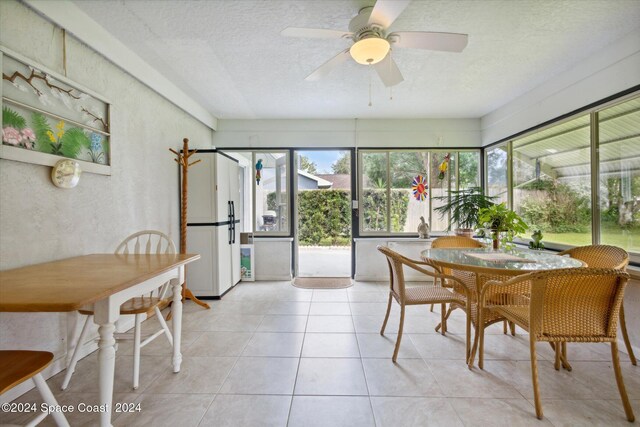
(183, 160)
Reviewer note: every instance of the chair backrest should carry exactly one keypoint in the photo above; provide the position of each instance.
(148, 242)
(600, 256)
(579, 303)
(453, 242)
(396, 273)
(396, 264)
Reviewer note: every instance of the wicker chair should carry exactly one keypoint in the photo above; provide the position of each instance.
(453, 242)
(420, 294)
(605, 256)
(456, 242)
(568, 305)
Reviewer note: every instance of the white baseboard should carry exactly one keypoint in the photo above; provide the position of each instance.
(273, 278)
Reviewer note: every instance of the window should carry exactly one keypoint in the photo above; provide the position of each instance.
(551, 181)
(272, 193)
(387, 204)
(265, 205)
(468, 169)
(440, 184)
(577, 180)
(497, 165)
(374, 167)
(619, 178)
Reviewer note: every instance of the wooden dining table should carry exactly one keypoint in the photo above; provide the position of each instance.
(102, 282)
(476, 266)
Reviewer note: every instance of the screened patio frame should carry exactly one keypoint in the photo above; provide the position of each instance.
(614, 122)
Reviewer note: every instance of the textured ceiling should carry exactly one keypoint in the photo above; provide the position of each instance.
(229, 55)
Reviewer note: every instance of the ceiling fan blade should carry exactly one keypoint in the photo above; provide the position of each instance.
(386, 11)
(388, 71)
(447, 42)
(326, 68)
(315, 33)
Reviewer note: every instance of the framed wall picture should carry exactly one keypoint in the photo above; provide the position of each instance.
(247, 263)
(46, 117)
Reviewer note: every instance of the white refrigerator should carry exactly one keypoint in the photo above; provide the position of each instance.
(212, 225)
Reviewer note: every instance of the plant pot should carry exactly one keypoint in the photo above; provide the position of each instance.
(466, 232)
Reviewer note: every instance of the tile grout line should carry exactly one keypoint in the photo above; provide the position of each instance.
(229, 372)
(215, 395)
(364, 374)
(446, 398)
(295, 381)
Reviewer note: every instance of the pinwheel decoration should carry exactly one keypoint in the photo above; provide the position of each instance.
(444, 166)
(419, 188)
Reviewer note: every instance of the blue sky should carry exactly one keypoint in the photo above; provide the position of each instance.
(322, 159)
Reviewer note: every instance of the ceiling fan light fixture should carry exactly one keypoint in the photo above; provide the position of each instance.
(370, 50)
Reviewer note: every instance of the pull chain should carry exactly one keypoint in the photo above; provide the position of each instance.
(390, 87)
(370, 74)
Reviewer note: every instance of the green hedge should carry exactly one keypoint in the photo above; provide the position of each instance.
(374, 209)
(325, 215)
(555, 207)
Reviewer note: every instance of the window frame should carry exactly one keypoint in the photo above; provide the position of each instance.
(264, 233)
(593, 111)
(360, 190)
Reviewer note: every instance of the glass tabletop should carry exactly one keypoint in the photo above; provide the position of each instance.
(508, 260)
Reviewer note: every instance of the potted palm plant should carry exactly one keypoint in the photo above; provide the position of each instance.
(502, 222)
(463, 206)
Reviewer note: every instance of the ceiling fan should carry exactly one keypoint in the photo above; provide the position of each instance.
(372, 42)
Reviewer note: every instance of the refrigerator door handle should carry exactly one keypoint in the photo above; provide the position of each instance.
(229, 221)
(233, 220)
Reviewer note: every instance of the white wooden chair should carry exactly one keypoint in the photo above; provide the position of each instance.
(21, 365)
(142, 242)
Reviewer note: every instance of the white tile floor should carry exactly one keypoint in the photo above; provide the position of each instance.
(270, 354)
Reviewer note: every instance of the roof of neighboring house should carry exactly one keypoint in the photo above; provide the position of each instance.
(341, 181)
(322, 183)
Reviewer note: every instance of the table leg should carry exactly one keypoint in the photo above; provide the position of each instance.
(176, 318)
(107, 361)
(106, 314)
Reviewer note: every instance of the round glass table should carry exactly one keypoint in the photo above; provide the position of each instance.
(476, 266)
(511, 262)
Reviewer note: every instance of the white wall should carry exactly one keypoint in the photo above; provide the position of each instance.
(613, 70)
(67, 15)
(39, 222)
(348, 133)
